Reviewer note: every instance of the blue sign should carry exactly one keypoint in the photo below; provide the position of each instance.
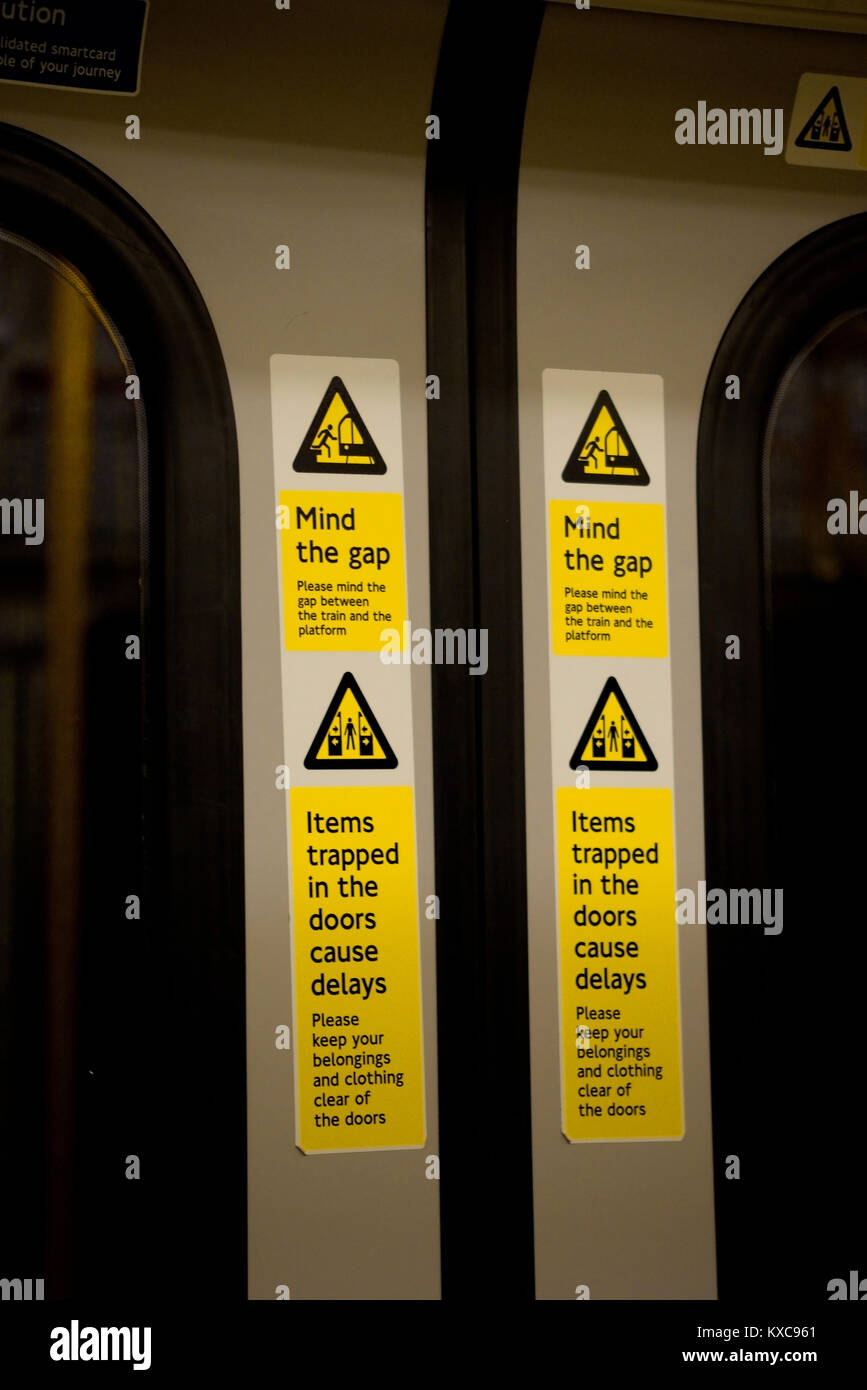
(81, 45)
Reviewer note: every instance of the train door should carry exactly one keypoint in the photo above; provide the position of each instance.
(634, 248)
(121, 813)
(785, 580)
(463, 304)
(282, 149)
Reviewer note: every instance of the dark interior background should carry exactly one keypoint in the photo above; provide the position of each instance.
(74, 1017)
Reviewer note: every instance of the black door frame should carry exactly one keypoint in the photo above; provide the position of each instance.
(486, 1191)
(796, 299)
(193, 899)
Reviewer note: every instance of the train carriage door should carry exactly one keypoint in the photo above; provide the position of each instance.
(785, 762)
(634, 248)
(121, 870)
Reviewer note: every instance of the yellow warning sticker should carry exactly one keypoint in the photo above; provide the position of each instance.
(825, 127)
(619, 993)
(608, 589)
(612, 740)
(358, 1031)
(349, 736)
(828, 126)
(604, 452)
(338, 440)
(344, 578)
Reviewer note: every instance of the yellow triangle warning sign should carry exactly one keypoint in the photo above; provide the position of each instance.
(338, 441)
(604, 452)
(349, 735)
(612, 740)
(826, 129)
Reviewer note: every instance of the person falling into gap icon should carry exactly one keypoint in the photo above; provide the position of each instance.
(323, 441)
(349, 733)
(591, 450)
(612, 737)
